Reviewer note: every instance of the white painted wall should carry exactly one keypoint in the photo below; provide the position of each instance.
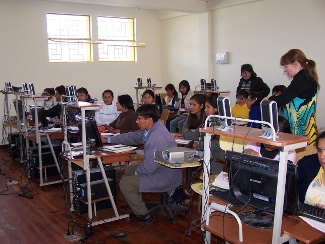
(258, 33)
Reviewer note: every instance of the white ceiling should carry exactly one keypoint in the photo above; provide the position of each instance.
(188, 6)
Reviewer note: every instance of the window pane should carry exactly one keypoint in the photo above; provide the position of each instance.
(69, 38)
(117, 38)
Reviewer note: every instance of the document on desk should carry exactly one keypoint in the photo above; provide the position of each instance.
(118, 148)
(182, 141)
(314, 223)
(107, 134)
(221, 181)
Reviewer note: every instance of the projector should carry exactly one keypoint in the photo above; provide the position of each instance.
(176, 155)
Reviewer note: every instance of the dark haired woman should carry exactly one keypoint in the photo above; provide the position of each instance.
(253, 103)
(299, 99)
(51, 101)
(170, 99)
(126, 121)
(250, 82)
(183, 103)
(83, 95)
(107, 113)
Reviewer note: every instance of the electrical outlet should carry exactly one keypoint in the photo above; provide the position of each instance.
(13, 182)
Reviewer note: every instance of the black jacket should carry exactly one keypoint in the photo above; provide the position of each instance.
(257, 85)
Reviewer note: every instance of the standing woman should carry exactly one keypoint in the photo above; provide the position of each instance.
(299, 100)
(107, 112)
(126, 121)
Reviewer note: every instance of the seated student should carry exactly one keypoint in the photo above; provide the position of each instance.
(74, 113)
(253, 103)
(278, 89)
(107, 113)
(148, 97)
(211, 108)
(147, 176)
(51, 101)
(55, 111)
(183, 102)
(170, 99)
(270, 151)
(126, 121)
(311, 175)
(196, 116)
(240, 109)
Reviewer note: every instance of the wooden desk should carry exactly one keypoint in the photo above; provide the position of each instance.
(225, 226)
(285, 142)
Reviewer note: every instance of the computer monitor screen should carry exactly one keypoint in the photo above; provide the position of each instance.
(253, 181)
(214, 86)
(8, 86)
(19, 108)
(92, 133)
(42, 120)
(224, 110)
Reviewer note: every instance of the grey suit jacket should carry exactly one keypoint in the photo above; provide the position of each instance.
(153, 176)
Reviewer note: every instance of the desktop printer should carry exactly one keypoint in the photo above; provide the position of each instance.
(176, 155)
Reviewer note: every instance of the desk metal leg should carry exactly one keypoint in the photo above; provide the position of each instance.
(70, 185)
(90, 214)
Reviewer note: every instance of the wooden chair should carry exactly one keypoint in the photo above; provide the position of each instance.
(305, 151)
(164, 115)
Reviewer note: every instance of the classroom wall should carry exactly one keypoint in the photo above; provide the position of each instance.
(24, 54)
(258, 33)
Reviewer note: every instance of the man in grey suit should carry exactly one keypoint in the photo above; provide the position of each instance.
(147, 176)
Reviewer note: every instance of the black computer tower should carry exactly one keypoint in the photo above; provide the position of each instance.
(47, 159)
(98, 188)
(15, 145)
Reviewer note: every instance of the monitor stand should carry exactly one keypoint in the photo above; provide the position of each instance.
(257, 219)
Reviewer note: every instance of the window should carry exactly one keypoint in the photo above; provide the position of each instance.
(68, 38)
(117, 39)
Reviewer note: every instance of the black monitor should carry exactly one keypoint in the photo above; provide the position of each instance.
(214, 86)
(8, 86)
(19, 109)
(253, 181)
(42, 120)
(224, 110)
(269, 113)
(92, 133)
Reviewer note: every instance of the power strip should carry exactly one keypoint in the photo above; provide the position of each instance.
(13, 182)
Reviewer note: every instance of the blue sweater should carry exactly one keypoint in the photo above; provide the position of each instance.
(307, 170)
(254, 114)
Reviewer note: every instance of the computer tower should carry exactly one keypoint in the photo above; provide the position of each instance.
(47, 159)
(98, 188)
(15, 148)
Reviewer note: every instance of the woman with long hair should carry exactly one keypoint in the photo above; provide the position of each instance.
(299, 99)
(126, 121)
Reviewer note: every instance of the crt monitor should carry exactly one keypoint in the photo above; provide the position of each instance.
(253, 181)
(92, 133)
